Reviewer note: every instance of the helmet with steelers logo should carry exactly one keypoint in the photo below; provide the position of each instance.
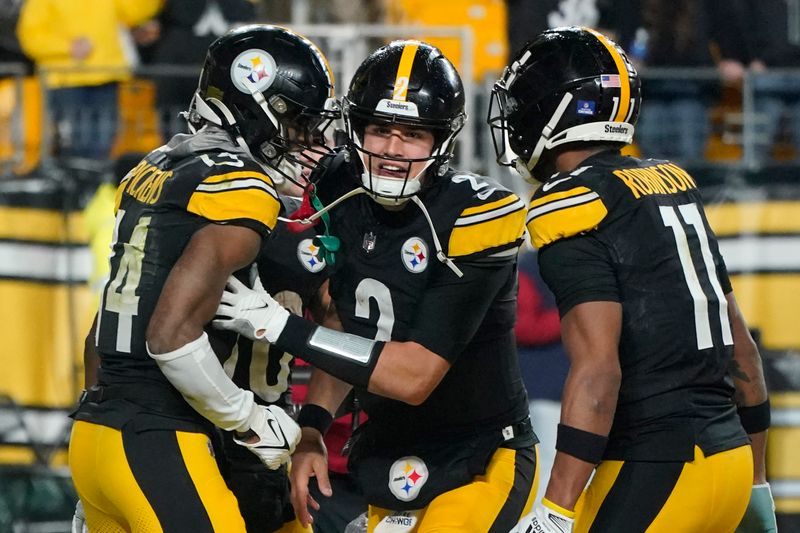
(409, 83)
(568, 85)
(272, 90)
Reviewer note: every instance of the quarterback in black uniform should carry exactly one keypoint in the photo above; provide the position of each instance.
(660, 354)
(425, 286)
(191, 213)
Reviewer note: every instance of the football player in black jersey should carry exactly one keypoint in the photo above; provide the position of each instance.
(661, 357)
(293, 269)
(425, 286)
(191, 213)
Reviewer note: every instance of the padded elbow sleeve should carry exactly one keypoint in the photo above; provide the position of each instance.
(196, 372)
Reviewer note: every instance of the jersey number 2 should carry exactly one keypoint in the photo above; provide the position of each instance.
(367, 289)
(702, 321)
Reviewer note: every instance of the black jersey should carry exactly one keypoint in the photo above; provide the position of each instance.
(389, 284)
(160, 205)
(292, 270)
(635, 232)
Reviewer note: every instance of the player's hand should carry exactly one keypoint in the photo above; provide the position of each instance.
(546, 517)
(760, 514)
(79, 520)
(272, 437)
(310, 460)
(250, 312)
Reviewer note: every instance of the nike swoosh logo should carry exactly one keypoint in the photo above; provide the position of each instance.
(550, 184)
(271, 423)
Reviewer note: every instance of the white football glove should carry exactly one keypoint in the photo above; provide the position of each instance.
(546, 517)
(252, 313)
(278, 435)
(79, 520)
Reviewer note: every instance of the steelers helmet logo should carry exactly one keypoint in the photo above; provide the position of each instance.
(253, 70)
(309, 255)
(414, 255)
(407, 477)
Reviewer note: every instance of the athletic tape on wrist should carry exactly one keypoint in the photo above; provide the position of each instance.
(315, 416)
(348, 357)
(581, 444)
(756, 418)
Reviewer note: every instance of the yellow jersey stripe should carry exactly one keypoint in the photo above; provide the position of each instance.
(569, 217)
(488, 207)
(239, 175)
(624, 81)
(233, 204)
(517, 205)
(559, 196)
(404, 70)
(486, 235)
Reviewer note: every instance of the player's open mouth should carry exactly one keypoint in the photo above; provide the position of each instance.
(392, 170)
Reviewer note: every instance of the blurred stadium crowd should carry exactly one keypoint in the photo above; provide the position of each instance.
(88, 86)
(112, 77)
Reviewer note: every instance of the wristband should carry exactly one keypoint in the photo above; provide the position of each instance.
(348, 357)
(581, 444)
(755, 418)
(315, 416)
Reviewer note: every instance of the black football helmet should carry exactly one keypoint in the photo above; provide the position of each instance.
(411, 83)
(272, 90)
(567, 85)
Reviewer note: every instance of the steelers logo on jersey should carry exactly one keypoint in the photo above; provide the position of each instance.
(309, 255)
(253, 70)
(414, 255)
(407, 476)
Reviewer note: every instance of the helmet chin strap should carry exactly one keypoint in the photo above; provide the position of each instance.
(525, 168)
(440, 255)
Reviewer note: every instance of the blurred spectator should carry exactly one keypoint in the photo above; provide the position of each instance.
(180, 37)
(79, 45)
(10, 51)
(542, 358)
(675, 34)
(758, 36)
(347, 11)
(616, 18)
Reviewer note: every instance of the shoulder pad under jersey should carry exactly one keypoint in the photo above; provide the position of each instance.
(566, 205)
(489, 219)
(233, 188)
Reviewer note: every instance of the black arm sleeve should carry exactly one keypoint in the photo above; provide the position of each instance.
(453, 308)
(579, 270)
